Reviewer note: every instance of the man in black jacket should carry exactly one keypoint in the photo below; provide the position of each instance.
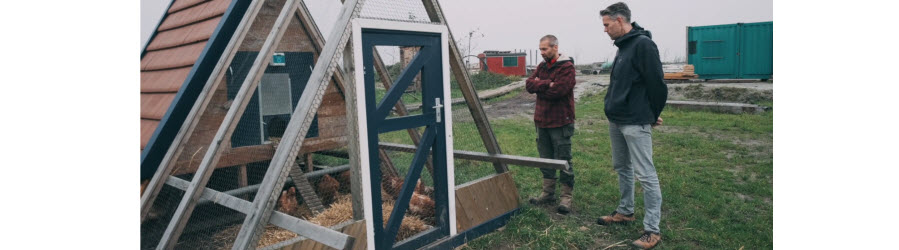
(634, 101)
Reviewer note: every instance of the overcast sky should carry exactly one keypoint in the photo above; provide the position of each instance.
(519, 24)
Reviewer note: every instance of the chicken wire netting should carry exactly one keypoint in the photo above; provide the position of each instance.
(395, 166)
(395, 10)
(313, 186)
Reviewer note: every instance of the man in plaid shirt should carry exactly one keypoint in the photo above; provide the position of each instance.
(553, 82)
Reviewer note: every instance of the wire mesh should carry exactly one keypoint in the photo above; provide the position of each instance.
(257, 133)
(396, 166)
(395, 10)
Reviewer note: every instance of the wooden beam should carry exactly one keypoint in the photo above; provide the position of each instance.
(257, 153)
(352, 131)
(435, 13)
(307, 229)
(309, 167)
(487, 157)
(214, 151)
(299, 124)
(233, 157)
(387, 164)
(171, 157)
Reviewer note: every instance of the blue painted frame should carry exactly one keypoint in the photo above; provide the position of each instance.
(474, 232)
(177, 112)
(428, 62)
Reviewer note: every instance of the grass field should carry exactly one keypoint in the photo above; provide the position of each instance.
(715, 171)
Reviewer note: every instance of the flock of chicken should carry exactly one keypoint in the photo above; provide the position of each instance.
(328, 188)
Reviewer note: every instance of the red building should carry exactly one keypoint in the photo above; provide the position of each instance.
(503, 62)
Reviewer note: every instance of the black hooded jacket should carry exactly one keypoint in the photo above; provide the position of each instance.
(637, 92)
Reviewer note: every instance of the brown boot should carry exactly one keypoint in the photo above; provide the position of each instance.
(648, 240)
(548, 195)
(566, 199)
(615, 217)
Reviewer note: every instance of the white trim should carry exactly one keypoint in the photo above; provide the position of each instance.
(363, 134)
(448, 117)
(404, 26)
(358, 24)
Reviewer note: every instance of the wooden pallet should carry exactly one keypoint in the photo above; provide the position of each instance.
(687, 74)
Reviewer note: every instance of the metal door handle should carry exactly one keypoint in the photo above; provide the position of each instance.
(437, 108)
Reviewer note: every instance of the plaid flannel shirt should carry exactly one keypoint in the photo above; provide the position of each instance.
(555, 105)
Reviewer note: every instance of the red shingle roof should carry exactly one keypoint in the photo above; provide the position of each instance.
(169, 57)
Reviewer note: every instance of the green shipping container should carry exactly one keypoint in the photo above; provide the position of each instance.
(732, 51)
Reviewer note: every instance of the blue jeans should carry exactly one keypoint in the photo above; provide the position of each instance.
(632, 153)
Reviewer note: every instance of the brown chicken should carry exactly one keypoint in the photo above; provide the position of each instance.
(327, 189)
(287, 203)
(421, 205)
(393, 185)
(344, 179)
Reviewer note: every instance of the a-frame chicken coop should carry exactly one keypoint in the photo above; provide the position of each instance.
(236, 92)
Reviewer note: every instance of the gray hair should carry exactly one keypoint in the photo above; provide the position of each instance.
(616, 10)
(553, 41)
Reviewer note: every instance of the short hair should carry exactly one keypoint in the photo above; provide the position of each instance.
(616, 10)
(553, 41)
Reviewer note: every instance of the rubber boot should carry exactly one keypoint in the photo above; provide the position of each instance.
(548, 195)
(566, 199)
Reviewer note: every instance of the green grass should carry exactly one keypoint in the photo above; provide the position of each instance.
(715, 170)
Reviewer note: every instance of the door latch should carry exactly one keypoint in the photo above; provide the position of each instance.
(437, 108)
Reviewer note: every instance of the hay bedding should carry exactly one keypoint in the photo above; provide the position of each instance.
(339, 211)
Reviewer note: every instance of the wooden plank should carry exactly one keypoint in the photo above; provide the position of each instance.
(462, 218)
(479, 156)
(480, 200)
(193, 117)
(233, 157)
(435, 13)
(319, 144)
(357, 230)
(509, 190)
(469, 204)
(309, 102)
(213, 154)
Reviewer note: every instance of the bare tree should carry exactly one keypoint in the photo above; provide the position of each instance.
(469, 42)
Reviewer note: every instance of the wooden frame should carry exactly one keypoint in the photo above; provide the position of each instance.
(260, 211)
(214, 151)
(171, 156)
(286, 154)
